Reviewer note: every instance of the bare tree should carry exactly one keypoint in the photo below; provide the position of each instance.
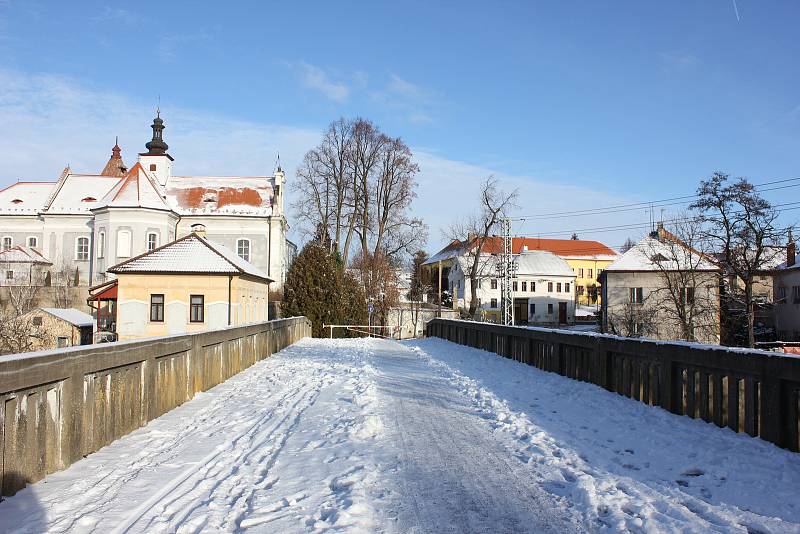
(686, 299)
(358, 184)
(476, 229)
(627, 245)
(325, 185)
(633, 319)
(741, 225)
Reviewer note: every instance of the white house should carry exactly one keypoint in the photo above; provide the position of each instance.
(92, 221)
(786, 280)
(542, 288)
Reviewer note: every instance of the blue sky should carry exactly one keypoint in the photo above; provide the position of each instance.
(579, 104)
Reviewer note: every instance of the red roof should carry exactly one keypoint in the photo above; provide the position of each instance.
(559, 247)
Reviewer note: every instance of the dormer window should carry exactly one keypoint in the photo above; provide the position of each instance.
(88, 199)
(153, 167)
(17, 201)
(209, 197)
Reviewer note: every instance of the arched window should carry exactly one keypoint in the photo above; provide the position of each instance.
(124, 244)
(82, 248)
(152, 241)
(243, 249)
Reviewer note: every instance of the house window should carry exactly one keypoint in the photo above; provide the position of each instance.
(196, 311)
(524, 286)
(494, 283)
(687, 295)
(588, 273)
(8, 242)
(62, 341)
(533, 287)
(37, 321)
(580, 272)
(101, 244)
(9, 275)
(550, 309)
(566, 287)
(599, 272)
(493, 303)
(796, 294)
(82, 248)
(514, 286)
(480, 283)
(636, 295)
(558, 287)
(533, 309)
(781, 297)
(152, 241)
(124, 244)
(549, 287)
(33, 241)
(152, 166)
(157, 308)
(243, 249)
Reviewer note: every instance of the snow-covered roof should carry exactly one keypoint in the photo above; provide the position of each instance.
(79, 193)
(651, 254)
(25, 197)
(136, 189)
(240, 195)
(564, 248)
(449, 252)
(542, 263)
(190, 254)
(23, 254)
(71, 315)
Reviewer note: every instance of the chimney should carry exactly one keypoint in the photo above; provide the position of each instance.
(199, 230)
(791, 251)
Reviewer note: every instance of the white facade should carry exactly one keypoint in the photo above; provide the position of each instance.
(543, 288)
(88, 222)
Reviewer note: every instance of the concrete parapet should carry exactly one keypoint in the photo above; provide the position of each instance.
(57, 406)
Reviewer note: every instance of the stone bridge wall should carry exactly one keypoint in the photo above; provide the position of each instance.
(60, 405)
(746, 390)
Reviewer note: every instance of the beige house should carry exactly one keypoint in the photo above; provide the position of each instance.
(786, 279)
(59, 327)
(188, 285)
(662, 289)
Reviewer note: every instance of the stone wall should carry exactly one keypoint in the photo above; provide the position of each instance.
(60, 405)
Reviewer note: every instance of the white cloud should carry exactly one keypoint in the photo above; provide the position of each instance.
(53, 121)
(315, 78)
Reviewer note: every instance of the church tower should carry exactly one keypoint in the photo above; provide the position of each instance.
(156, 160)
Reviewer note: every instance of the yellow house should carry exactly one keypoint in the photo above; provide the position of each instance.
(188, 285)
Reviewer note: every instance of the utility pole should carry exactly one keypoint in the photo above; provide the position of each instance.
(507, 273)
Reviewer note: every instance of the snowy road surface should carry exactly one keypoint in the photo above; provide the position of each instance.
(427, 436)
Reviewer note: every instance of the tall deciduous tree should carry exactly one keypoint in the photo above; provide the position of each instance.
(742, 226)
(476, 229)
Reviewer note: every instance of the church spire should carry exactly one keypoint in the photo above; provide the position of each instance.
(115, 165)
(157, 146)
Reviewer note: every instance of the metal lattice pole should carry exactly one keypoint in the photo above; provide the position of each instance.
(507, 273)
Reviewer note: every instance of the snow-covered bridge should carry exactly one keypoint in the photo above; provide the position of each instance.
(426, 436)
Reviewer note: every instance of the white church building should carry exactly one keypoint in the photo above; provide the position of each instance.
(86, 223)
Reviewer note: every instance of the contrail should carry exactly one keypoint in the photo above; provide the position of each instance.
(736, 10)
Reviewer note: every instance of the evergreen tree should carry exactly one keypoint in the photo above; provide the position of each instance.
(316, 287)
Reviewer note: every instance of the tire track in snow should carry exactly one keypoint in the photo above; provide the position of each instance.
(225, 473)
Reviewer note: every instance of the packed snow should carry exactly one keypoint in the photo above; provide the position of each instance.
(373, 435)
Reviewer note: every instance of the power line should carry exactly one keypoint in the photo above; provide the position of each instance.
(647, 204)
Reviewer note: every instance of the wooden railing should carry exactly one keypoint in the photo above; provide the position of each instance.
(746, 390)
(60, 405)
